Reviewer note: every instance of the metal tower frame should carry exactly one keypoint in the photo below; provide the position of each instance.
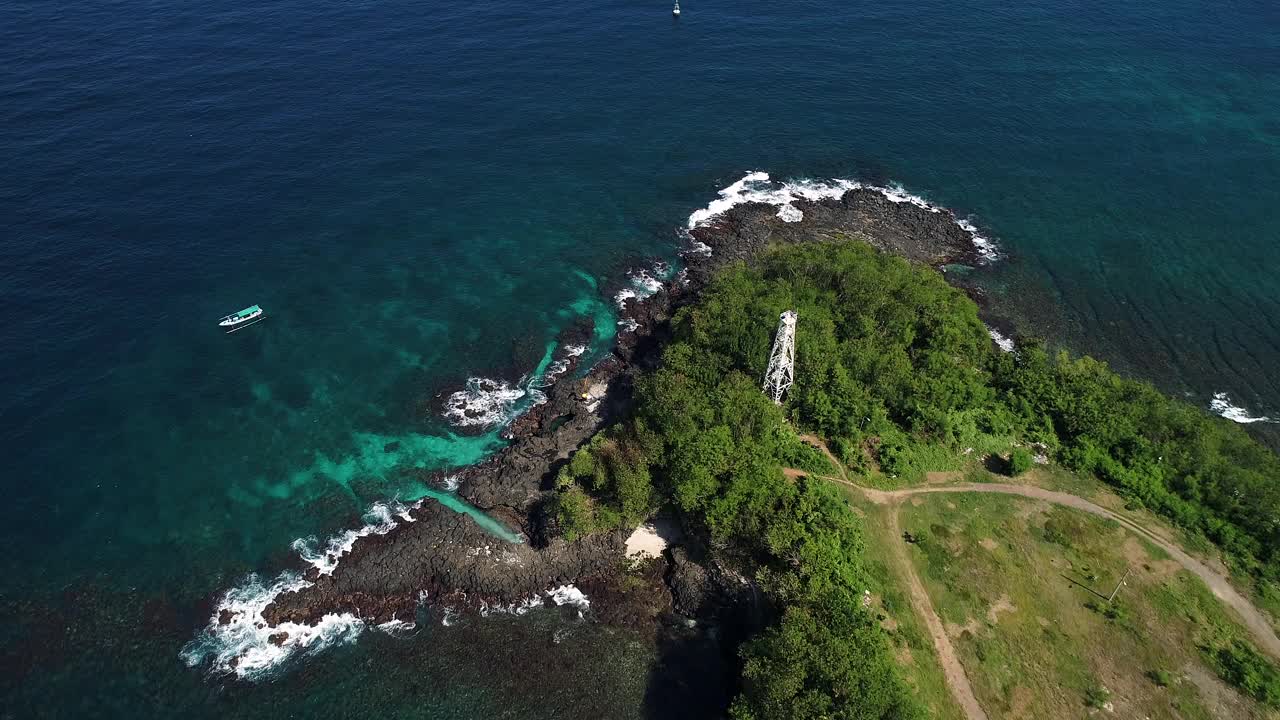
(782, 359)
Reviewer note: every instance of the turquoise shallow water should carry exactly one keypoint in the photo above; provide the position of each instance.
(418, 194)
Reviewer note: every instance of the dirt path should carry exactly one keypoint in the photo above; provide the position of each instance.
(952, 670)
(1254, 620)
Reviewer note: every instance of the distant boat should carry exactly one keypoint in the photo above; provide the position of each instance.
(676, 9)
(242, 319)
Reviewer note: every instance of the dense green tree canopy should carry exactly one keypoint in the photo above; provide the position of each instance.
(896, 371)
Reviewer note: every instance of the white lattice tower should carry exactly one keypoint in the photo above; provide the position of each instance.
(782, 359)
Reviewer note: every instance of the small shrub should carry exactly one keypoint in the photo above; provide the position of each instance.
(1020, 461)
(1112, 611)
(1162, 678)
(1053, 533)
(1096, 696)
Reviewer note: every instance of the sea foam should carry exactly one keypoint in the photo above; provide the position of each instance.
(1221, 404)
(243, 646)
(486, 403)
(563, 595)
(757, 187)
(1006, 344)
(642, 284)
(379, 520)
(246, 646)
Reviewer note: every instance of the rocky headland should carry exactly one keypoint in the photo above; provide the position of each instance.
(439, 556)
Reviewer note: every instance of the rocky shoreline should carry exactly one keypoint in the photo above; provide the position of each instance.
(440, 557)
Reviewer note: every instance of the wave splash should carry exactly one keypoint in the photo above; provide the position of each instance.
(1005, 343)
(642, 284)
(558, 367)
(564, 595)
(486, 403)
(239, 641)
(379, 520)
(1221, 405)
(757, 187)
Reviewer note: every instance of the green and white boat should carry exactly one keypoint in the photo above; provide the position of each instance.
(242, 319)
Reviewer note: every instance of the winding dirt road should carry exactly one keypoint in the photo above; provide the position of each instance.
(1254, 620)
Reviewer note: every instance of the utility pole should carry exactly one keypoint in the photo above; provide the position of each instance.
(1126, 577)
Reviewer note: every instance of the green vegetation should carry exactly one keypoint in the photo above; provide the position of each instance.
(813, 665)
(896, 370)
(1162, 678)
(1204, 473)
(1020, 461)
(1026, 611)
(613, 467)
(1243, 666)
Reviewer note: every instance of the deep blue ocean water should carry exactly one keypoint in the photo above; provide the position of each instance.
(421, 192)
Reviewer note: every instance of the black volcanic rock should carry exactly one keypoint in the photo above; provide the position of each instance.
(447, 555)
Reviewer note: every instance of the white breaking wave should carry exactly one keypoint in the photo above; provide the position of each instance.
(643, 284)
(1002, 342)
(564, 595)
(378, 521)
(557, 368)
(397, 627)
(986, 246)
(484, 402)
(1221, 404)
(246, 646)
(451, 482)
(243, 646)
(757, 187)
(570, 595)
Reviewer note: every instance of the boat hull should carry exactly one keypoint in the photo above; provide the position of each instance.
(244, 324)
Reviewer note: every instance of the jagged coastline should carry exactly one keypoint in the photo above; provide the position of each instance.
(440, 557)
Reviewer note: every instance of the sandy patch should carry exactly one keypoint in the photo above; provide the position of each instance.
(956, 631)
(988, 544)
(1219, 699)
(651, 538)
(1140, 560)
(1001, 605)
(903, 656)
(1020, 702)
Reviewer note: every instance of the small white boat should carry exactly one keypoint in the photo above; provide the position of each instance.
(242, 319)
(676, 9)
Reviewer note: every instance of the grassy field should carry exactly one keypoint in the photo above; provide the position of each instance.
(1021, 589)
(913, 648)
(943, 467)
